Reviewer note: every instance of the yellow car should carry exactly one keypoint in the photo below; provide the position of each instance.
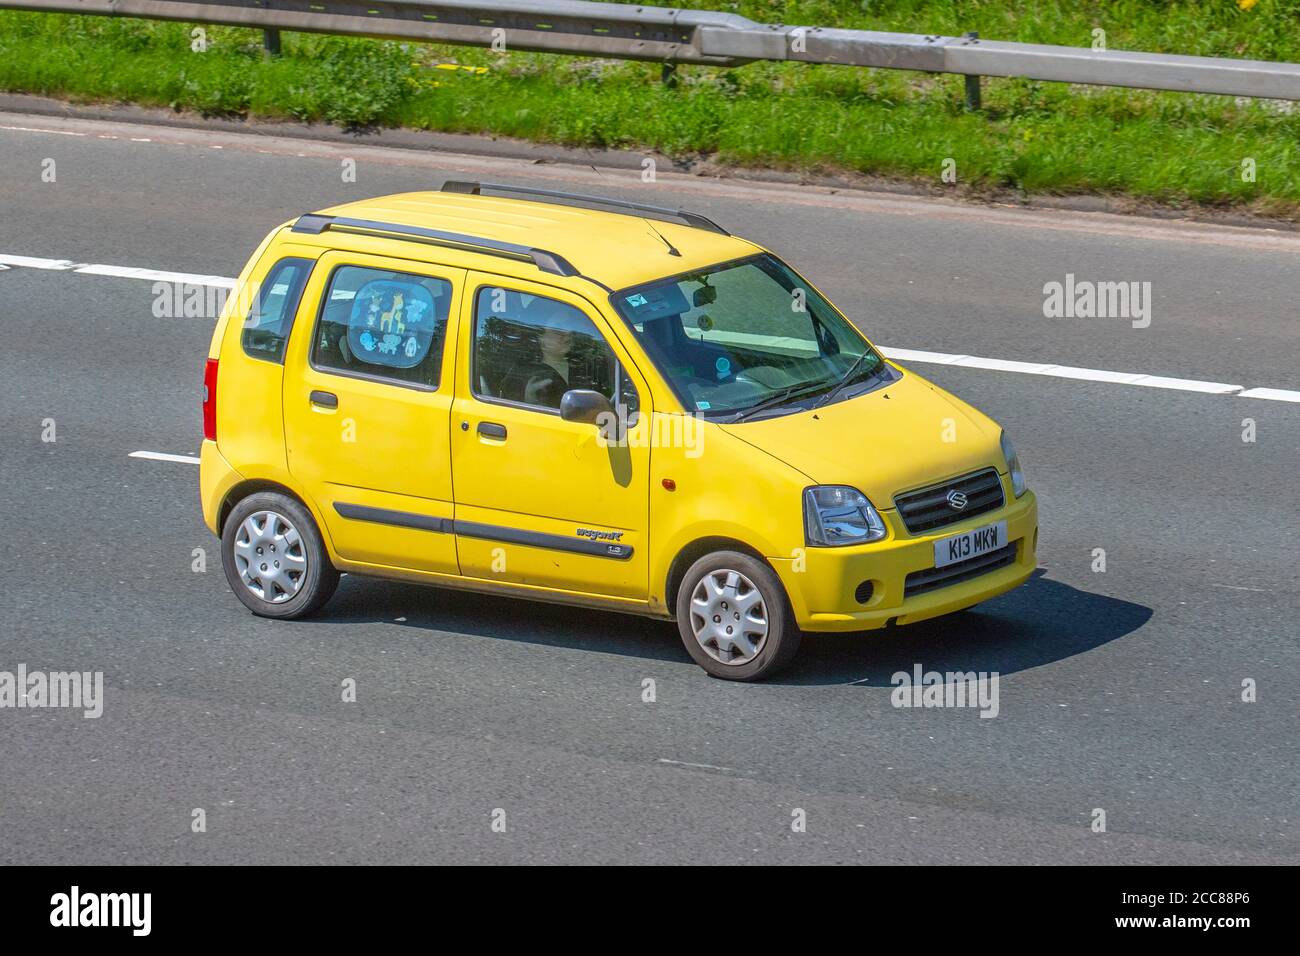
(596, 402)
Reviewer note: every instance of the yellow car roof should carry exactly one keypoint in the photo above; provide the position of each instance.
(615, 249)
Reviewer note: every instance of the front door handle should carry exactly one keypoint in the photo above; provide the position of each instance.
(492, 430)
(325, 399)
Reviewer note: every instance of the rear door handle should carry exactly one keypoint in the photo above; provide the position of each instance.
(325, 399)
(492, 430)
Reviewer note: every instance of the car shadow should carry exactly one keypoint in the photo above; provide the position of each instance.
(1039, 623)
(362, 600)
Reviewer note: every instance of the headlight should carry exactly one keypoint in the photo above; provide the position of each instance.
(1013, 465)
(836, 514)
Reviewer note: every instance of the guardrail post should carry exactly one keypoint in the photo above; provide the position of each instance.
(973, 93)
(668, 75)
(271, 42)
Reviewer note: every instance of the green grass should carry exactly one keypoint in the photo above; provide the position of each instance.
(1034, 137)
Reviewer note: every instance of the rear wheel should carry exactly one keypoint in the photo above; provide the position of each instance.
(274, 558)
(734, 617)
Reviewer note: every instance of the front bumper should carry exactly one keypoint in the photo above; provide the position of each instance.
(822, 582)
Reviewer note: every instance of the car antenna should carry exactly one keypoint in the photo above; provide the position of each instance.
(672, 251)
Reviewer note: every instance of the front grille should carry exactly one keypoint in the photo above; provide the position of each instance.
(929, 508)
(918, 582)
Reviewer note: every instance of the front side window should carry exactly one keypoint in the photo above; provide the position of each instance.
(382, 324)
(267, 326)
(530, 350)
(747, 337)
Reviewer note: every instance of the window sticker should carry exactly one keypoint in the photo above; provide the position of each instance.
(656, 302)
(391, 323)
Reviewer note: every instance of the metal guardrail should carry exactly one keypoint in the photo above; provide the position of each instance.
(674, 36)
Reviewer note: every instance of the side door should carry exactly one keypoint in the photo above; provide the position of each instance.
(367, 403)
(540, 500)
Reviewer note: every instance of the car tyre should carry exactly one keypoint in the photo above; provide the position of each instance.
(735, 618)
(274, 557)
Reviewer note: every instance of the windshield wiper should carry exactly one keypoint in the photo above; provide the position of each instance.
(847, 377)
(778, 399)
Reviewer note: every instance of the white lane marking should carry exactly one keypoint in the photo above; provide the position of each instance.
(33, 129)
(28, 262)
(1276, 394)
(902, 355)
(698, 766)
(1066, 371)
(163, 456)
(117, 272)
(129, 272)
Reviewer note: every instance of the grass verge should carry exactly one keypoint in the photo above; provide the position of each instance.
(1033, 137)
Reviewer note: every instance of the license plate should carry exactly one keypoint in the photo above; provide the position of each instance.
(970, 544)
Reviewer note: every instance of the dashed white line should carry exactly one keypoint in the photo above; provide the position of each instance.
(698, 766)
(1276, 394)
(154, 275)
(117, 272)
(1070, 371)
(29, 262)
(1048, 369)
(33, 129)
(163, 456)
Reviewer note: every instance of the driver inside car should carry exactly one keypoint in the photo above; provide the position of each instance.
(543, 378)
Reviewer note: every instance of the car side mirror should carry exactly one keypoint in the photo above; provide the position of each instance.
(584, 405)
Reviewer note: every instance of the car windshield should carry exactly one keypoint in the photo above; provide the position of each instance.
(746, 338)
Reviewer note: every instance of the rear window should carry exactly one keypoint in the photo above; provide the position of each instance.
(269, 322)
(383, 324)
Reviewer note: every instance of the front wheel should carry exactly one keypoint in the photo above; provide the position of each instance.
(734, 617)
(274, 558)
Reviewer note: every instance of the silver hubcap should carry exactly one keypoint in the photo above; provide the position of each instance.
(728, 617)
(270, 556)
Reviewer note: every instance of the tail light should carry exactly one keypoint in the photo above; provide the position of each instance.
(210, 400)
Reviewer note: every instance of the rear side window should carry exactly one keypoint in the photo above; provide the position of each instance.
(267, 327)
(381, 324)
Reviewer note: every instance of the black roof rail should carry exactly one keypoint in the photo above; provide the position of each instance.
(315, 224)
(690, 218)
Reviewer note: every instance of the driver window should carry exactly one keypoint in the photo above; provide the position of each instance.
(530, 350)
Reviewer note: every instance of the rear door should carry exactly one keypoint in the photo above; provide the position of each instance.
(367, 401)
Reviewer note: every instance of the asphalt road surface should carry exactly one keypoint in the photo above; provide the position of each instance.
(1119, 690)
